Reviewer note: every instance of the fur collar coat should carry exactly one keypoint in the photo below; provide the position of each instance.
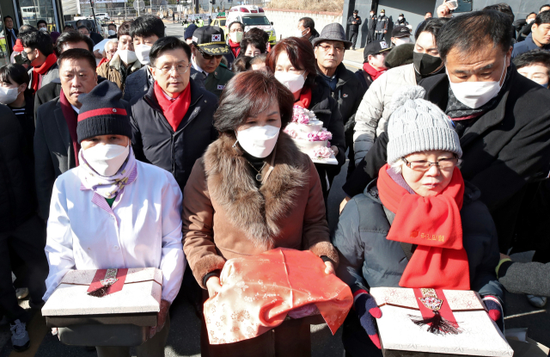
(226, 215)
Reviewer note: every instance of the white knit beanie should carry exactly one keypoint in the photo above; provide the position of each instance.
(418, 125)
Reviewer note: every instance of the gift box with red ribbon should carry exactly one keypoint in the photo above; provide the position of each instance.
(435, 322)
(106, 296)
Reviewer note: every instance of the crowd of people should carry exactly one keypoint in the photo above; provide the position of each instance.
(151, 151)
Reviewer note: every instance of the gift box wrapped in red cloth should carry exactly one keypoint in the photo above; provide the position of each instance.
(258, 292)
(106, 296)
(408, 314)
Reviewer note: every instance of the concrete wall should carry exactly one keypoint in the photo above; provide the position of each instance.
(286, 21)
(520, 7)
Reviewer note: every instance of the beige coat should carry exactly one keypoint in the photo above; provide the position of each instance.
(110, 70)
(225, 215)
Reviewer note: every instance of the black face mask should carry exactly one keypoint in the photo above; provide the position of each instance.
(22, 58)
(425, 64)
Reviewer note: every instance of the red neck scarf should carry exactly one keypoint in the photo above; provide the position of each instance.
(174, 110)
(434, 224)
(71, 118)
(103, 60)
(38, 72)
(373, 72)
(235, 47)
(305, 99)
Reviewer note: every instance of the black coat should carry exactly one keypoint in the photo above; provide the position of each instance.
(354, 27)
(326, 110)
(17, 198)
(9, 38)
(155, 142)
(505, 148)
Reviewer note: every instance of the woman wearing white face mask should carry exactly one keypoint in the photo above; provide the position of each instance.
(14, 81)
(131, 211)
(292, 61)
(124, 61)
(253, 191)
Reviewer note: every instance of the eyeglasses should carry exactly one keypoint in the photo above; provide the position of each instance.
(327, 48)
(208, 57)
(180, 68)
(445, 164)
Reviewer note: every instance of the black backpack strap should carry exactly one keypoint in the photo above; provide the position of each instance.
(408, 248)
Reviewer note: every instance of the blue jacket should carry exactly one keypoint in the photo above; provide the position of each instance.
(526, 46)
(368, 259)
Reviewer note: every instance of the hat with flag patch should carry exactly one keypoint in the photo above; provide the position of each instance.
(210, 39)
(103, 112)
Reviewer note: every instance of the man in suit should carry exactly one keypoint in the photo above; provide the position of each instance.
(55, 141)
(67, 41)
(208, 49)
(10, 31)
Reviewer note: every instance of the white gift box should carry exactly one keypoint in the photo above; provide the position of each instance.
(400, 336)
(137, 303)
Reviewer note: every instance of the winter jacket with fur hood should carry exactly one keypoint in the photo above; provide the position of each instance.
(225, 215)
(373, 113)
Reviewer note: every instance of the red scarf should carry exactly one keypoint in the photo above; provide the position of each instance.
(38, 72)
(174, 110)
(235, 47)
(71, 118)
(373, 72)
(305, 99)
(434, 224)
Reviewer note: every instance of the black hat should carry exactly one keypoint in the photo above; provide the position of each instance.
(189, 31)
(355, 11)
(102, 113)
(401, 15)
(333, 32)
(210, 39)
(401, 31)
(375, 48)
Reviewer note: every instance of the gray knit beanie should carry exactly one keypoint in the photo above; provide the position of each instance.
(417, 125)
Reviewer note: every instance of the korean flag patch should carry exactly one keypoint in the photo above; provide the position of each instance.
(220, 87)
(217, 38)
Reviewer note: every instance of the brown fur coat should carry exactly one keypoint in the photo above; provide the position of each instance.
(225, 215)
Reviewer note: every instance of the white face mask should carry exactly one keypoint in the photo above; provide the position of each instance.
(258, 141)
(403, 40)
(294, 82)
(299, 33)
(236, 37)
(382, 13)
(476, 94)
(43, 29)
(142, 53)
(107, 159)
(400, 18)
(8, 95)
(111, 32)
(127, 56)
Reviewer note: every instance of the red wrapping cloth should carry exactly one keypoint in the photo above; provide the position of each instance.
(259, 291)
(373, 72)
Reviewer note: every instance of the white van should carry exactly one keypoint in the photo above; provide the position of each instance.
(252, 16)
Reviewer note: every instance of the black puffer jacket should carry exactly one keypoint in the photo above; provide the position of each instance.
(17, 195)
(155, 142)
(368, 259)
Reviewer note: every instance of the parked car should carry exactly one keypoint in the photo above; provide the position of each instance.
(252, 16)
(102, 16)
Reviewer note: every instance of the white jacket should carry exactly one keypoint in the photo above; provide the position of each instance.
(373, 113)
(141, 230)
